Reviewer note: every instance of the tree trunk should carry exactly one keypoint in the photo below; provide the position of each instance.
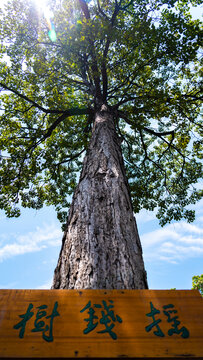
(101, 247)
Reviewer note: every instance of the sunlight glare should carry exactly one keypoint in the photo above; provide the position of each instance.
(43, 7)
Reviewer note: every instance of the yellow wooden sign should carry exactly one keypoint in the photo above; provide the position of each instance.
(101, 324)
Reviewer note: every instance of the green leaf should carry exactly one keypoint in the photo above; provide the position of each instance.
(147, 68)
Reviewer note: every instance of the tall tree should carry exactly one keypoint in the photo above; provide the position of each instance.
(109, 78)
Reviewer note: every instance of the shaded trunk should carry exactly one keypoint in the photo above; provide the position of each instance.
(101, 247)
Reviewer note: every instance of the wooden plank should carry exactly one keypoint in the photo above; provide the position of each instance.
(67, 324)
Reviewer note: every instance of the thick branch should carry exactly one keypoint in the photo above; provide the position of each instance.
(130, 80)
(156, 133)
(105, 53)
(84, 8)
(95, 69)
(71, 112)
(151, 160)
(24, 97)
(191, 98)
(159, 134)
(126, 6)
(65, 113)
(70, 158)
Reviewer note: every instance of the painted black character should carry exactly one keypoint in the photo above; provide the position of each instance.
(25, 317)
(169, 311)
(107, 316)
(47, 330)
(91, 324)
(152, 313)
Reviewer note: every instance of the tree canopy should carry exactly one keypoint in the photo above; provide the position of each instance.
(197, 283)
(140, 57)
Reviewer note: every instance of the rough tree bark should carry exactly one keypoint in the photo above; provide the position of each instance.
(101, 247)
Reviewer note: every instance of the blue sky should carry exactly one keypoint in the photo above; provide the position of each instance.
(30, 245)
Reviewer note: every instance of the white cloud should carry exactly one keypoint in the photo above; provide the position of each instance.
(46, 285)
(174, 243)
(198, 207)
(191, 240)
(168, 259)
(145, 216)
(2, 217)
(46, 236)
(158, 236)
(183, 226)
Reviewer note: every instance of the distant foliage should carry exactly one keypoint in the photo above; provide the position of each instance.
(197, 283)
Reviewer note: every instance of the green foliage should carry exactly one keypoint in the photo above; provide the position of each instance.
(197, 283)
(141, 58)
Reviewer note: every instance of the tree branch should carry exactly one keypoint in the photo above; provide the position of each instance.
(193, 97)
(84, 8)
(24, 97)
(153, 162)
(65, 113)
(69, 159)
(105, 53)
(71, 112)
(159, 134)
(101, 11)
(156, 133)
(95, 69)
(126, 6)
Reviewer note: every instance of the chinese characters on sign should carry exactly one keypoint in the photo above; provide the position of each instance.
(40, 325)
(101, 315)
(169, 311)
(107, 318)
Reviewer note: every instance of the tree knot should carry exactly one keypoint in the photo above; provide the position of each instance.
(104, 108)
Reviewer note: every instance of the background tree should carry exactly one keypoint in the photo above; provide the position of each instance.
(197, 283)
(141, 60)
